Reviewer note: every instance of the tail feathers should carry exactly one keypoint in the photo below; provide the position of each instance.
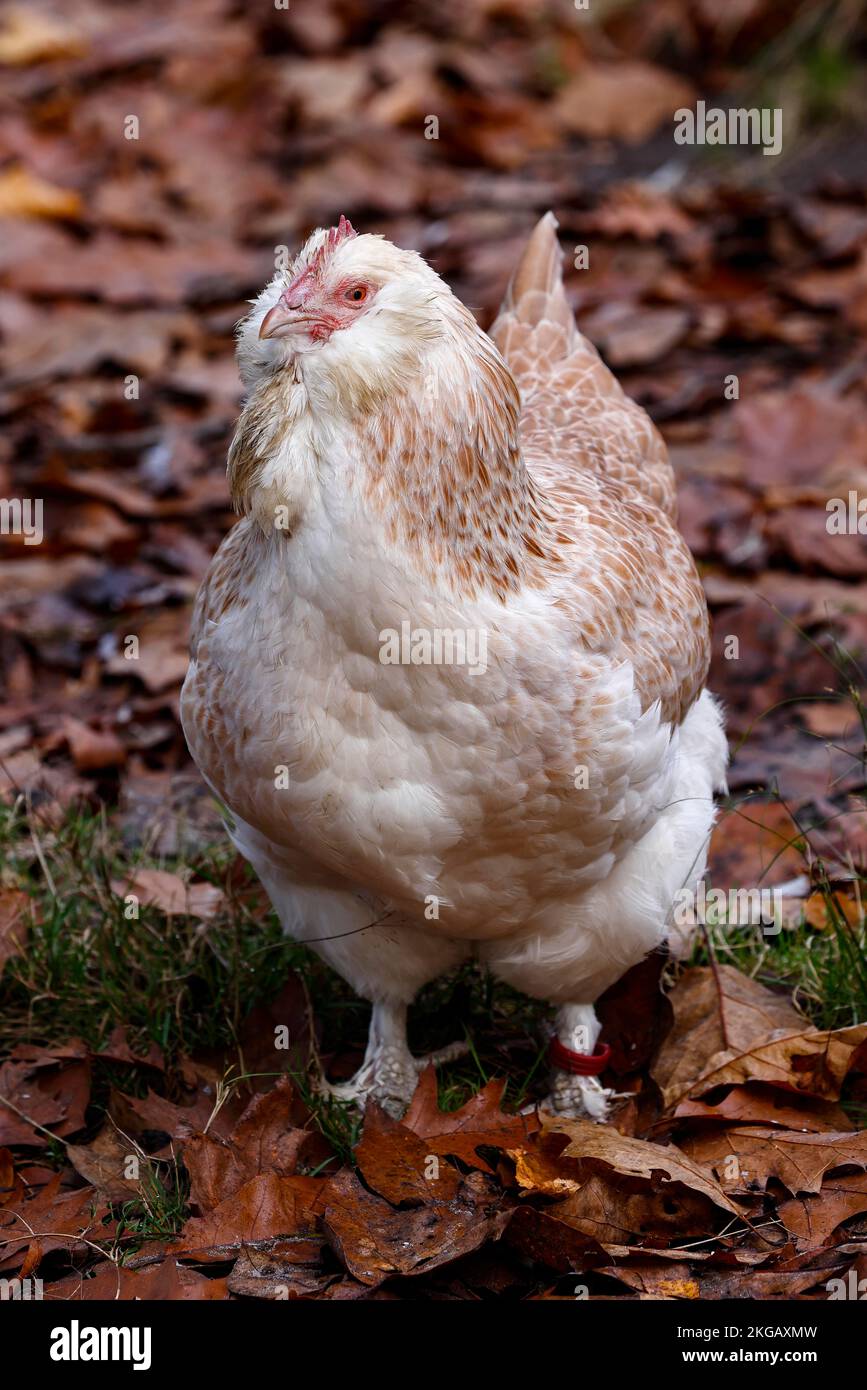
(574, 416)
(535, 319)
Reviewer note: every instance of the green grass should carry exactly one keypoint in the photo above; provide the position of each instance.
(824, 970)
(159, 1212)
(188, 985)
(177, 982)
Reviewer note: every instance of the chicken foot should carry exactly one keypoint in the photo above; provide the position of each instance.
(389, 1073)
(577, 1028)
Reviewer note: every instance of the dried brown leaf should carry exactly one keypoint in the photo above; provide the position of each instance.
(716, 1010)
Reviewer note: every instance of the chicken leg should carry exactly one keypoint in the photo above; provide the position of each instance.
(577, 1028)
(389, 1073)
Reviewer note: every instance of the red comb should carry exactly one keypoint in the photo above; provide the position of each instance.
(344, 231)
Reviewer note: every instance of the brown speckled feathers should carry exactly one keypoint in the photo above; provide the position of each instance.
(601, 461)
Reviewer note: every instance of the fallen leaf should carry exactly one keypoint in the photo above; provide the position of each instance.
(755, 845)
(812, 1061)
(632, 336)
(801, 535)
(824, 915)
(594, 104)
(715, 1010)
(760, 1283)
(399, 1165)
(537, 1170)
(118, 1049)
(24, 194)
(610, 1213)
(746, 1158)
(635, 1158)
(268, 1206)
(263, 1141)
(29, 36)
(47, 1088)
(828, 719)
(461, 1133)
(165, 1281)
(656, 1279)
(16, 914)
(799, 434)
(273, 1272)
(82, 337)
(12, 1190)
(755, 1103)
(374, 1240)
(563, 1244)
(171, 894)
(92, 749)
(636, 1015)
(49, 1220)
(161, 663)
(105, 1162)
(138, 1114)
(639, 210)
(813, 1220)
(276, 1036)
(141, 271)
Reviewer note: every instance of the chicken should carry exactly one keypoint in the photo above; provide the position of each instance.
(447, 672)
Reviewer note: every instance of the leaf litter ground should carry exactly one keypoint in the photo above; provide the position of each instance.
(153, 1143)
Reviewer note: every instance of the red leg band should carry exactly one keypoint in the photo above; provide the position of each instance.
(579, 1063)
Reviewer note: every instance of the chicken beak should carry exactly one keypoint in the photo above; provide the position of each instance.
(280, 318)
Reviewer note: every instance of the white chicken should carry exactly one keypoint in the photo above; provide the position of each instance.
(447, 672)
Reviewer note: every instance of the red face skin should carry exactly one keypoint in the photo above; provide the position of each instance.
(309, 308)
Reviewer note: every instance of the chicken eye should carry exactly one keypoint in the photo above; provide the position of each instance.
(357, 294)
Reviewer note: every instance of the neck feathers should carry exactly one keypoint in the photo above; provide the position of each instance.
(443, 470)
(270, 414)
